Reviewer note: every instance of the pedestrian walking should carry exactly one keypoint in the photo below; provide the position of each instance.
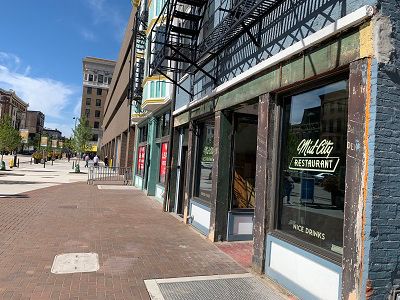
(87, 161)
(106, 161)
(288, 185)
(96, 161)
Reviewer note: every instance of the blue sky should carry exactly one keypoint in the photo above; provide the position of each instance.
(42, 44)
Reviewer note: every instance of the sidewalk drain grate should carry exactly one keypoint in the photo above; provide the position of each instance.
(75, 263)
(233, 287)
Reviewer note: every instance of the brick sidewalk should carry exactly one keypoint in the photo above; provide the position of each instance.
(135, 240)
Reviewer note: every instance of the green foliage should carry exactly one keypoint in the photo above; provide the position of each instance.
(82, 136)
(10, 138)
(37, 155)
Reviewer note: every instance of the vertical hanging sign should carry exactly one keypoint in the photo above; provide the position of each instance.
(141, 155)
(163, 161)
(43, 141)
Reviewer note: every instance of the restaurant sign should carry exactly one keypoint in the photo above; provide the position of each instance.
(314, 156)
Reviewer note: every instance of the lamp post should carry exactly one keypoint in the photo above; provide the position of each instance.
(75, 118)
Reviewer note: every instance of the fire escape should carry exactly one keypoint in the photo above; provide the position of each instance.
(190, 33)
(139, 40)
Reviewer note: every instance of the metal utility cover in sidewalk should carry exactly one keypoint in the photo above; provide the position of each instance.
(232, 287)
(75, 263)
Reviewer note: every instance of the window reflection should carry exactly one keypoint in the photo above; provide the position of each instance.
(206, 159)
(313, 166)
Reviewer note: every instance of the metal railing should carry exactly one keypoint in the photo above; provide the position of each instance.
(110, 175)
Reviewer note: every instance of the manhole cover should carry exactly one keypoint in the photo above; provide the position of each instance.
(233, 287)
(75, 263)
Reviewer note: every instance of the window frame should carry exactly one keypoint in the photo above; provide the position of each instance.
(280, 95)
(196, 159)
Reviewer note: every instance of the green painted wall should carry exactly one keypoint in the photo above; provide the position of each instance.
(314, 62)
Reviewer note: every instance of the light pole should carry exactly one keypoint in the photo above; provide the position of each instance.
(75, 118)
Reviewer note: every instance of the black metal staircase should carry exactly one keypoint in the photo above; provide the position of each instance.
(139, 40)
(189, 33)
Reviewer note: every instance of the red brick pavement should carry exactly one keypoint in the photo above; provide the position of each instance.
(241, 252)
(135, 240)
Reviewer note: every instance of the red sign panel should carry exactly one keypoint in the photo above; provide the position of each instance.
(141, 157)
(163, 161)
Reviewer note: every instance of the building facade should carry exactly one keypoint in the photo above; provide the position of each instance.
(119, 134)
(151, 110)
(34, 122)
(285, 132)
(54, 134)
(97, 77)
(15, 107)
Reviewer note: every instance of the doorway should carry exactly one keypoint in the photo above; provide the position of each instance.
(147, 168)
(243, 173)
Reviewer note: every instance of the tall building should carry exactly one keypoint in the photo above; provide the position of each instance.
(15, 107)
(97, 76)
(119, 134)
(34, 122)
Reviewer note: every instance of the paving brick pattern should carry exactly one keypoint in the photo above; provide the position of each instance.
(135, 240)
(241, 252)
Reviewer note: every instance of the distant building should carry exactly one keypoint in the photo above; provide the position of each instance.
(15, 107)
(52, 133)
(34, 122)
(97, 75)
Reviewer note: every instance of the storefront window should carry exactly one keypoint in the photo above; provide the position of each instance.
(141, 160)
(313, 166)
(143, 134)
(203, 185)
(244, 165)
(163, 162)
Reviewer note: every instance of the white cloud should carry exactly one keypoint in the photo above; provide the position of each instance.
(44, 94)
(77, 108)
(104, 12)
(88, 35)
(10, 60)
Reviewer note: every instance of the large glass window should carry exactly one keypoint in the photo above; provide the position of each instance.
(313, 166)
(203, 184)
(244, 162)
(163, 123)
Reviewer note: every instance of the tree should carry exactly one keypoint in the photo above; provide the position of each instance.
(82, 136)
(10, 138)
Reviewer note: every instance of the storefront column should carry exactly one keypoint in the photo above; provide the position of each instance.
(173, 173)
(265, 181)
(135, 154)
(154, 157)
(124, 141)
(220, 176)
(356, 183)
(130, 145)
(189, 172)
